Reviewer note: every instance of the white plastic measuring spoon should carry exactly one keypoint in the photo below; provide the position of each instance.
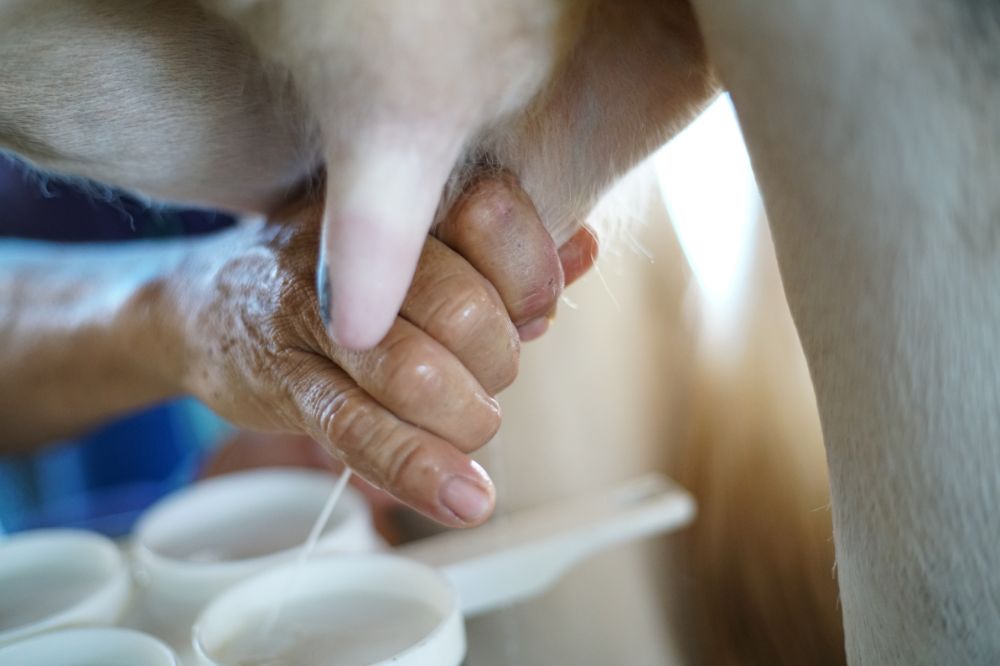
(499, 564)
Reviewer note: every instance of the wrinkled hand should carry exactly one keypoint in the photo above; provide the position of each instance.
(405, 414)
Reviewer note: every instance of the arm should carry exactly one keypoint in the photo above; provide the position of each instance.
(233, 320)
(81, 338)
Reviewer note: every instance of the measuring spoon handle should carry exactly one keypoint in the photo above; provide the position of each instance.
(519, 555)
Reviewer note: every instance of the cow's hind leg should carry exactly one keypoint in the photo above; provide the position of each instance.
(875, 134)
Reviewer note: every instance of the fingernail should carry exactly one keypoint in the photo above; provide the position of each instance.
(465, 498)
(533, 329)
(323, 290)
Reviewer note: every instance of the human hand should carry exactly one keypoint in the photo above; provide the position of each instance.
(404, 415)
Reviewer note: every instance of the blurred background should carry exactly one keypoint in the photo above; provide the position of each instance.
(103, 479)
(676, 354)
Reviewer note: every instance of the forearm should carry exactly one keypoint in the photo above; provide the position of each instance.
(83, 335)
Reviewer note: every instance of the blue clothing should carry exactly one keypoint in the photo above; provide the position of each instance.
(104, 479)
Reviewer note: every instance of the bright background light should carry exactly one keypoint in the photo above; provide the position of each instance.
(709, 191)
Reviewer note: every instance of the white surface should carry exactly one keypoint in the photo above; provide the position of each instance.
(96, 646)
(59, 578)
(345, 609)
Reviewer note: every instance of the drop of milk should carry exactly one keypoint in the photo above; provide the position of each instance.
(348, 629)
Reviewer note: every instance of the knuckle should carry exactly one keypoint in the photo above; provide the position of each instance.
(465, 308)
(345, 418)
(401, 459)
(491, 202)
(388, 457)
(380, 450)
(409, 372)
(473, 324)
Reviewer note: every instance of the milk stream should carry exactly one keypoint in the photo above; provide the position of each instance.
(371, 628)
(307, 548)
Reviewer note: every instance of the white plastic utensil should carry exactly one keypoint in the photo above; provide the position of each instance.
(504, 562)
(59, 578)
(92, 646)
(382, 609)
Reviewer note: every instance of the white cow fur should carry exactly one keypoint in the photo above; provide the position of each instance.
(873, 132)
